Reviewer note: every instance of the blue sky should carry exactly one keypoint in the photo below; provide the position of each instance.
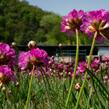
(62, 7)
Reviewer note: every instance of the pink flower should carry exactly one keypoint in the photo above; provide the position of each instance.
(105, 58)
(82, 67)
(6, 74)
(96, 21)
(23, 60)
(72, 21)
(39, 55)
(95, 64)
(34, 56)
(7, 55)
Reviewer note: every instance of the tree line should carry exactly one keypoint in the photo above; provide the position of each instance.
(21, 22)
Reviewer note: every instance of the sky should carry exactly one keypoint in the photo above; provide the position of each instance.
(62, 7)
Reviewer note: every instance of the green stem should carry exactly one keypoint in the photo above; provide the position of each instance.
(29, 90)
(90, 94)
(85, 76)
(47, 87)
(75, 67)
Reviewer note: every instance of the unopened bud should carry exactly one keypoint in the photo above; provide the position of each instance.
(77, 86)
(105, 77)
(60, 45)
(3, 88)
(17, 83)
(13, 44)
(32, 44)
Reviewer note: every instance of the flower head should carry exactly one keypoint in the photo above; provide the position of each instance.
(95, 64)
(105, 58)
(23, 60)
(6, 74)
(34, 56)
(82, 67)
(39, 54)
(72, 21)
(96, 21)
(7, 55)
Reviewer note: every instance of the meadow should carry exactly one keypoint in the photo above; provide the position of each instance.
(34, 80)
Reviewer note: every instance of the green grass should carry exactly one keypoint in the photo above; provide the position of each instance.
(51, 92)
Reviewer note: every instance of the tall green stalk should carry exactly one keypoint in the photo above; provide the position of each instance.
(29, 89)
(85, 76)
(90, 95)
(75, 67)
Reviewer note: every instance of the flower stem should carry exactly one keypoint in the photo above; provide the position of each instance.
(85, 76)
(29, 89)
(47, 87)
(90, 95)
(75, 67)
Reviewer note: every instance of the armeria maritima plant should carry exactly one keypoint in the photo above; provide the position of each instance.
(71, 24)
(7, 55)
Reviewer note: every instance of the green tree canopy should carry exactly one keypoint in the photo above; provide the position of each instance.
(21, 22)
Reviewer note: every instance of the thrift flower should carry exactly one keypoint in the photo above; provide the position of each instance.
(105, 58)
(34, 56)
(96, 21)
(6, 74)
(7, 55)
(23, 60)
(105, 61)
(72, 21)
(38, 55)
(95, 64)
(82, 67)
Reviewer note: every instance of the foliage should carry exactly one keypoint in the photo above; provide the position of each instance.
(20, 22)
(33, 80)
(51, 92)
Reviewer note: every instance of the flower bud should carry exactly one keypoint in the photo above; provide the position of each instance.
(17, 83)
(77, 86)
(31, 44)
(13, 44)
(3, 88)
(60, 45)
(105, 77)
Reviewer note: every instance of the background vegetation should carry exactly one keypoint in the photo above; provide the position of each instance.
(21, 22)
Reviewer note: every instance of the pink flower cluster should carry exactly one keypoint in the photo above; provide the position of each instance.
(87, 22)
(105, 61)
(82, 67)
(6, 74)
(61, 69)
(7, 55)
(43, 64)
(72, 21)
(7, 62)
(34, 56)
(96, 21)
